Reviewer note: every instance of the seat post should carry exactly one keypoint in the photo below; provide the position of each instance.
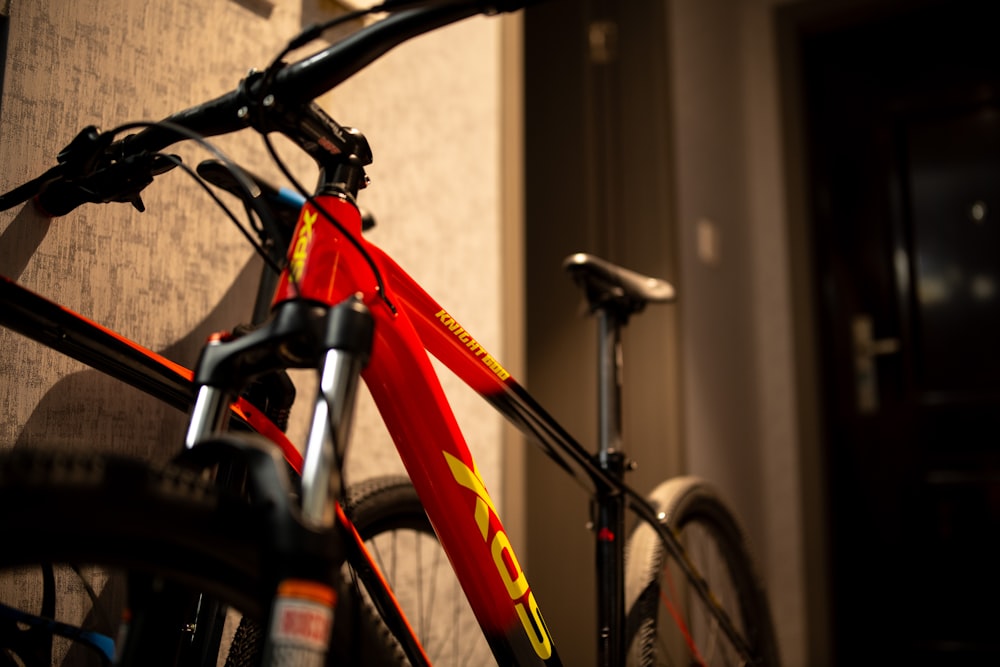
(613, 293)
(609, 506)
(609, 378)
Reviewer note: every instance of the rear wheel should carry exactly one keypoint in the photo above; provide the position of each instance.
(667, 623)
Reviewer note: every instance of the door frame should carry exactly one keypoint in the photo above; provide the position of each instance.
(795, 23)
(792, 23)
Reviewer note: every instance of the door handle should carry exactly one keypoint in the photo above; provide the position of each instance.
(866, 350)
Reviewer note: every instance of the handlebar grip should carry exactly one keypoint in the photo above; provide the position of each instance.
(119, 181)
(26, 191)
(60, 197)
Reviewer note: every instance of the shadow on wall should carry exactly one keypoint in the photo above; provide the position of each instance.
(20, 241)
(97, 411)
(89, 409)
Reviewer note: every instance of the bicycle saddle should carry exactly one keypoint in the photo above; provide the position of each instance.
(611, 287)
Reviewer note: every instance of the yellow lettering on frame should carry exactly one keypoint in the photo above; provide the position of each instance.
(302, 241)
(514, 581)
(517, 585)
(471, 343)
(471, 480)
(537, 633)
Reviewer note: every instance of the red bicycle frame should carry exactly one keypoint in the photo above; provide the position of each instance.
(331, 262)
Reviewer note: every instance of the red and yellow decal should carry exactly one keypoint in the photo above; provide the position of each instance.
(300, 246)
(504, 558)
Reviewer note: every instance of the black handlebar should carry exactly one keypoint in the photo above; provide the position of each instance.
(291, 88)
(308, 79)
(303, 81)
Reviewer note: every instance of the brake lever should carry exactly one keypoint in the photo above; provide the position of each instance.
(80, 156)
(120, 180)
(78, 159)
(152, 164)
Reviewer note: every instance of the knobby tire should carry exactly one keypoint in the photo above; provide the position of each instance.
(666, 622)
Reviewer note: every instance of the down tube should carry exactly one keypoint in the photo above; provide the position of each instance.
(408, 394)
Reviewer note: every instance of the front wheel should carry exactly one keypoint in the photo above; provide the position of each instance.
(667, 622)
(390, 519)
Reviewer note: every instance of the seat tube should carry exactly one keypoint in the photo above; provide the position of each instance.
(609, 509)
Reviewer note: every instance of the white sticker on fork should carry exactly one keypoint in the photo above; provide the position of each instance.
(302, 623)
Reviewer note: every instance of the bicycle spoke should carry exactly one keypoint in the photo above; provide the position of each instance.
(391, 520)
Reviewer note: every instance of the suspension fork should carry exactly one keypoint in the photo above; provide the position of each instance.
(301, 334)
(609, 504)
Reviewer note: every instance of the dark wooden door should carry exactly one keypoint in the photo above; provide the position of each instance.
(903, 143)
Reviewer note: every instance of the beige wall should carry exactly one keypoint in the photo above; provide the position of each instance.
(741, 410)
(430, 109)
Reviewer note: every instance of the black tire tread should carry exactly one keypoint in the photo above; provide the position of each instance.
(683, 500)
(82, 507)
(89, 508)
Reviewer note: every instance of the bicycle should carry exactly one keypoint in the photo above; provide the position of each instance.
(345, 308)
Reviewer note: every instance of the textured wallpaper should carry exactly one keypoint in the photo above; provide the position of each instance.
(170, 276)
